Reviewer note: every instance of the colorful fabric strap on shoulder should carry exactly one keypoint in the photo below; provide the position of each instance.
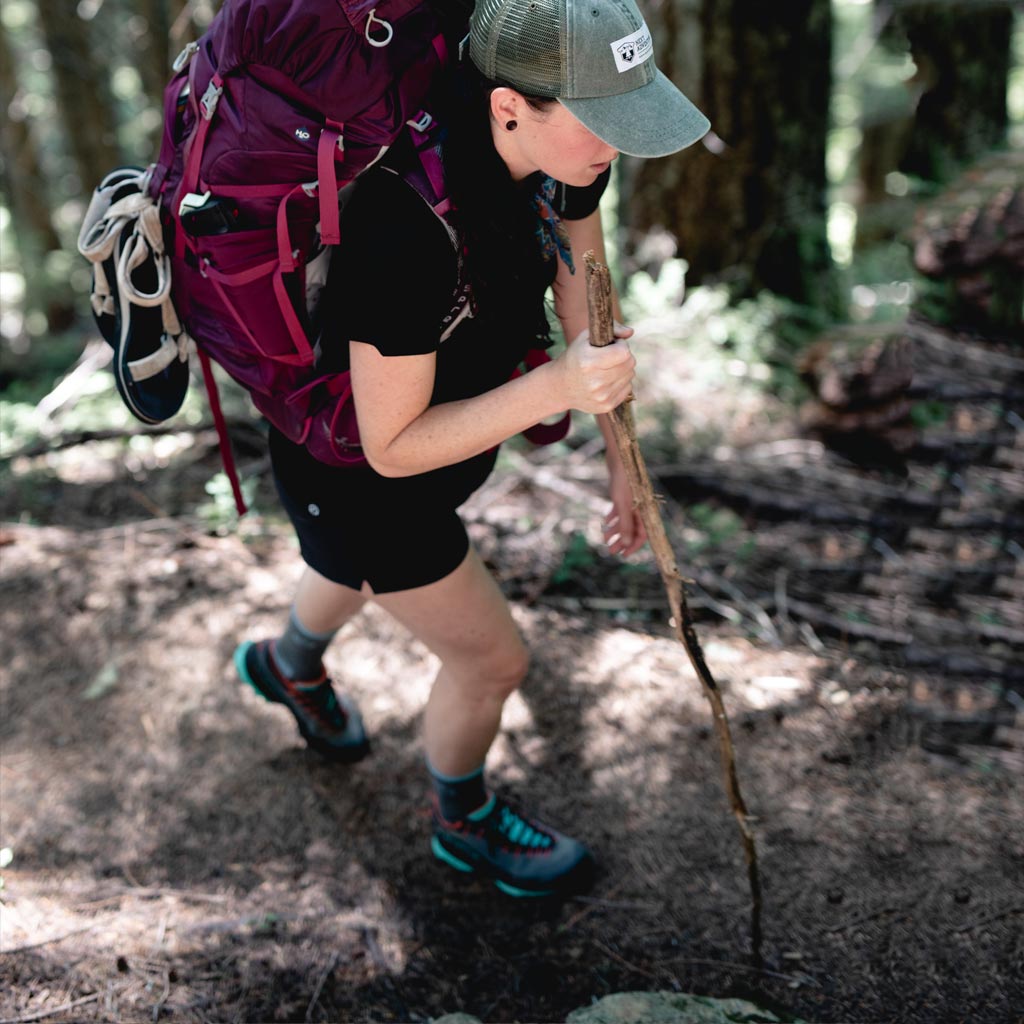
(551, 232)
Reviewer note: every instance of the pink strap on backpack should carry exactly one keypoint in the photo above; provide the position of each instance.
(327, 176)
(204, 108)
(227, 454)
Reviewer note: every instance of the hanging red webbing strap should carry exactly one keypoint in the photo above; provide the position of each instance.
(330, 144)
(227, 456)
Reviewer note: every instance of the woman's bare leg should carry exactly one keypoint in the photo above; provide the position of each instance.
(465, 620)
(321, 605)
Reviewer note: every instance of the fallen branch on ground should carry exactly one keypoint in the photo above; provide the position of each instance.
(61, 442)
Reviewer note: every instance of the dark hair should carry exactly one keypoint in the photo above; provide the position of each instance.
(496, 215)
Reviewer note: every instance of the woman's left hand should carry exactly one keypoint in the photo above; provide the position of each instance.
(624, 530)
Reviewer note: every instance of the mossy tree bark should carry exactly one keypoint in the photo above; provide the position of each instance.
(749, 204)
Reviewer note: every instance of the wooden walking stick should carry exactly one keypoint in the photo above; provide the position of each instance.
(599, 309)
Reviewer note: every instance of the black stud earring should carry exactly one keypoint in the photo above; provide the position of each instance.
(511, 126)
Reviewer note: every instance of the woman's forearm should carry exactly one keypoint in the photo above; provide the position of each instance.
(454, 431)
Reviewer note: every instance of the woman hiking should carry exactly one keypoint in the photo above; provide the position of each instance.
(550, 93)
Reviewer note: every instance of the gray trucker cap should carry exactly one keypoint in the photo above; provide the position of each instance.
(597, 58)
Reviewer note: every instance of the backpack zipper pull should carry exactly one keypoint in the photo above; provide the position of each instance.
(370, 19)
(185, 56)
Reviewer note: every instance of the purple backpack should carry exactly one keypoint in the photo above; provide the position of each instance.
(271, 113)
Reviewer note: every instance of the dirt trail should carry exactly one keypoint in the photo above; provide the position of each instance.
(178, 855)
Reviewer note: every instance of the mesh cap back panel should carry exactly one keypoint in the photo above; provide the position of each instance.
(520, 42)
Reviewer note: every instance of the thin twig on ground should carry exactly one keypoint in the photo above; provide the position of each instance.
(1010, 912)
(871, 916)
(626, 963)
(53, 1011)
(321, 981)
(48, 942)
(728, 966)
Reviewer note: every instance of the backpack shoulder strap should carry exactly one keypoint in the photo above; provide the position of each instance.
(424, 174)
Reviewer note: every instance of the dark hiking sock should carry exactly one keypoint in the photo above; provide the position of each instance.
(299, 652)
(458, 796)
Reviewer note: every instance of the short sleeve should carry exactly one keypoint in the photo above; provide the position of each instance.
(394, 274)
(575, 203)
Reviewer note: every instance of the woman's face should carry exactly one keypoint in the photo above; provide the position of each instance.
(549, 140)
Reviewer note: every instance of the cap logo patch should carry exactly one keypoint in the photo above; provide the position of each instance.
(632, 50)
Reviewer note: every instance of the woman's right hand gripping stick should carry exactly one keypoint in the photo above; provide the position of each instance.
(597, 380)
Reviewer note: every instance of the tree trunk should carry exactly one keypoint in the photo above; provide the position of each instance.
(24, 181)
(962, 51)
(155, 39)
(189, 20)
(749, 205)
(24, 186)
(82, 90)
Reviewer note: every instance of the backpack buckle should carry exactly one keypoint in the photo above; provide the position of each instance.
(421, 123)
(209, 100)
(192, 201)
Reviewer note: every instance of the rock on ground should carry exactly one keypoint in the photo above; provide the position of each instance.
(654, 1008)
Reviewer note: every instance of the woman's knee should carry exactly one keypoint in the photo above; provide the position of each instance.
(514, 667)
(499, 669)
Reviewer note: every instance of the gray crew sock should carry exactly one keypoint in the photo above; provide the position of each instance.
(458, 796)
(299, 651)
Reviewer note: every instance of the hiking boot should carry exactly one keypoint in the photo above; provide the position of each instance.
(330, 724)
(521, 856)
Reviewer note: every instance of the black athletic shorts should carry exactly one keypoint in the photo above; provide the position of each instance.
(356, 526)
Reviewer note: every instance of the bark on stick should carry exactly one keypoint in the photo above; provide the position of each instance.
(599, 308)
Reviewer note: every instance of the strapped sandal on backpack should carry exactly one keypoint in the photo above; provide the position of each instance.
(131, 295)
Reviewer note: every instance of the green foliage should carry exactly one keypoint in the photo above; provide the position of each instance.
(714, 528)
(754, 341)
(1015, 85)
(770, 332)
(96, 407)
(578, 557)
(29, 374)
(219, 513)
(658, 422)
(926, 414)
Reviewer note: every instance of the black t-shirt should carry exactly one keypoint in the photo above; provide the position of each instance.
(392, 281)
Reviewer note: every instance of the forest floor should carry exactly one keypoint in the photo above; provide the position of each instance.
(175, 853)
